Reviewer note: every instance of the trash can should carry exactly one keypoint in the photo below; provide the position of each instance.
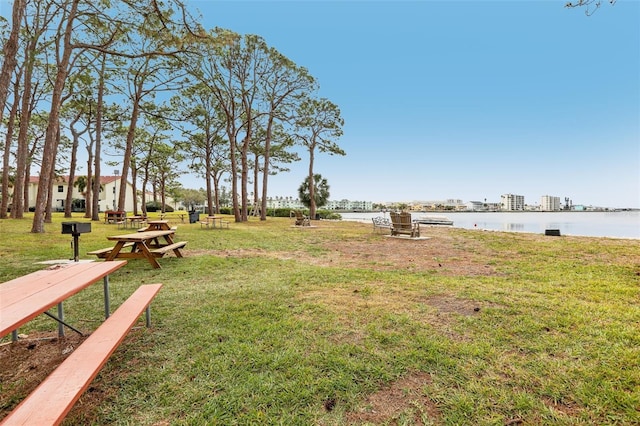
(194, 216)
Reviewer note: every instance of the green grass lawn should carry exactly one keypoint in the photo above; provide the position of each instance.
(265, 323)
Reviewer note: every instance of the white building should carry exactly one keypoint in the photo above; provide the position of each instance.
(549, 203)
(109, 189)
(512, 202)
(476, 206)
(284, 203)
(295, 203)
(349, 205)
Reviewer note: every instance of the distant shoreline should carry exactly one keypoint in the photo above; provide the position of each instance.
(493, 211)
(606, 224)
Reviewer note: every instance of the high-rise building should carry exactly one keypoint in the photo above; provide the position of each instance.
(512, 202)
(549, 203)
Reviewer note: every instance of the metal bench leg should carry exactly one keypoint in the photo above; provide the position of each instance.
(107, 307)
(60, 320)
(147, 313)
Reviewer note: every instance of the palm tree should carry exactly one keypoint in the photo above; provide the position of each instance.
(320, 193)
(81, 183)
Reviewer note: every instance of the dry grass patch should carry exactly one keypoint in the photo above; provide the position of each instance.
(402, 402)
(444, 253)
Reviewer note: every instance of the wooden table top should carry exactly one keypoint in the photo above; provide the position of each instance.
(140, 236)
(26, 297)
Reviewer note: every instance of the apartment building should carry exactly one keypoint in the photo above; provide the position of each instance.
(512, 202)
(549, 203)
(109, 189)
(295, 203)
(349, 205)
(284, 203)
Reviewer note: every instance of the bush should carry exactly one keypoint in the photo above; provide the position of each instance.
(154, 206)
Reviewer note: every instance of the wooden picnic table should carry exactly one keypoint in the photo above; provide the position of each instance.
(145, 245)
(157, 225)
(114, 216)
(134, 220)
(164, 216)
(210, 221)
(26, 297)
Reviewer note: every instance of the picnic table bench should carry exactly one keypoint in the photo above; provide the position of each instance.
(104, 252)
(144, 245)
(52, 400)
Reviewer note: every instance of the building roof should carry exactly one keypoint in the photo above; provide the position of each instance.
(65, 179)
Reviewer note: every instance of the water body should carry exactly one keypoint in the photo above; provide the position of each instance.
(622, 224)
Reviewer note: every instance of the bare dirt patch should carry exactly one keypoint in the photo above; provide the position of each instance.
(442, 252)
(403, 400)
(29, 361)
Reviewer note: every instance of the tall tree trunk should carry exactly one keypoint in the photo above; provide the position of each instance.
(216, 189)
(48, 154)
(234, 173)
(88, 199)
(312, 192)
(53, 179)
(244, 160)
(145, 182)
(265, 171)
(134, 177)
(20, 184)
(10, 51)
(95, 211)
(256, 175)
(72, 167)
(126, 161)
(211, 208)
(25, 190)
(6, 156)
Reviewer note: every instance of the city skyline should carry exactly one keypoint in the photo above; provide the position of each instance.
(545, 202)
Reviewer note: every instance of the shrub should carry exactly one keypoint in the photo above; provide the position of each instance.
(155, 206)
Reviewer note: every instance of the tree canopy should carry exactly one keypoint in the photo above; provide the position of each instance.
(142, 86)
(590, 6)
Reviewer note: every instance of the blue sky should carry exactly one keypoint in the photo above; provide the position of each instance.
(464, 99)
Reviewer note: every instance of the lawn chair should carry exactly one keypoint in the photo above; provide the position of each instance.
(401, 223)
(302, 219)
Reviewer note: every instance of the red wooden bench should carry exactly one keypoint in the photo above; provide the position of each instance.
(52, 400)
